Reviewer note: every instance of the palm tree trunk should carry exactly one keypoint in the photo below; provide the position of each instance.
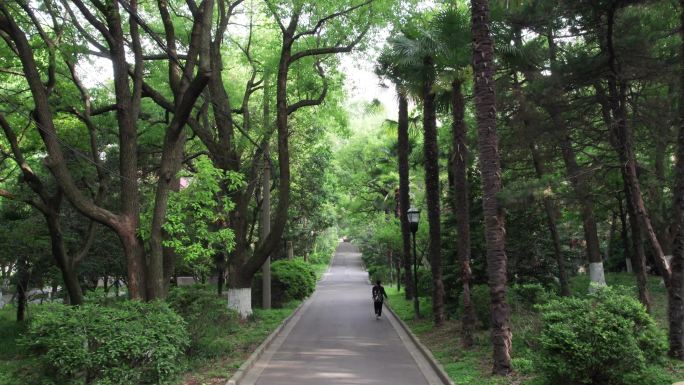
(403, 152)
(488, 144)
(432, 190)
(462, 208)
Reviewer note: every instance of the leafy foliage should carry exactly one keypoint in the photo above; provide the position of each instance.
(606, 338)
(131, 343)
(204, 312)
(291, 280)
(197, 212)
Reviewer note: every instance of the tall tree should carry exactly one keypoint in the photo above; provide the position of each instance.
(676, 289)
(126, 223)
(305, 40)
(404, 204)
(462, 207)
(432, 187)
(488, 145)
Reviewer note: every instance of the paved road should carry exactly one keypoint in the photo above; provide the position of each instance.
(337, 340)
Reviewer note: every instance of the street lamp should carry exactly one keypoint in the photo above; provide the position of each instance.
(413, 218)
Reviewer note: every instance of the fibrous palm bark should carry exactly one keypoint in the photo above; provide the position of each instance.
(488, 145)
(462, 207)
(432, 190)
(403, 150)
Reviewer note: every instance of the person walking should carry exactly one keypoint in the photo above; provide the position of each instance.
(379, 296)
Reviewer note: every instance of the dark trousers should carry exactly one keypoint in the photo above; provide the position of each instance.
(378, 307)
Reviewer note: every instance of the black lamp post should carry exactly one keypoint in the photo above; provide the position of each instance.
(413, 218)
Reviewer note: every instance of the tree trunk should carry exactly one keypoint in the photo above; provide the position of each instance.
(220, 265)
(488, 144)
(661, 137)
(550, 209)
(62, 260)
(22, 287)
(625, 236)
(243, 268)
(432, 190)
(638, 257)
(404, 204)
(239, 288)
(461, 192)
(135, 261)
(265, 227)
(579, 182)
(49, 206)
(676, 290)
(621, 138)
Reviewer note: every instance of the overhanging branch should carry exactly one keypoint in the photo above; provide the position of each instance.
(311, 102)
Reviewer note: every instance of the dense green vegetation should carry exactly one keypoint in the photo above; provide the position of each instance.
(147, 143)
(473, 366)
(218, 342)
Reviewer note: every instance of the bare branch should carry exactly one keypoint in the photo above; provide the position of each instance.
(312, 102)
(11, 72)
(322, 21)
(329, 50)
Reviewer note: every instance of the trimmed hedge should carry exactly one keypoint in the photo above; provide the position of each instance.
(290, 280)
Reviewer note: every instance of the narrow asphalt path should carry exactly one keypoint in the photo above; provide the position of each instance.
(337, 340)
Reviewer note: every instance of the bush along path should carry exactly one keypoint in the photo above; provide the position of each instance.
(191, 338)
(556, 336)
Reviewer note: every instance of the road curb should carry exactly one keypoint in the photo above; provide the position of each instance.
(246, 366)
(259, 351)
(427, 354)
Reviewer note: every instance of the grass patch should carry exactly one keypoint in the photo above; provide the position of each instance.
(243, 339)
(16, 367)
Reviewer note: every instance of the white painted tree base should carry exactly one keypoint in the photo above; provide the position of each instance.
(240, 300)
(597, 277)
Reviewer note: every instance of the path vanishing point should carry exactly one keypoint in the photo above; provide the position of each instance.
(335, 338)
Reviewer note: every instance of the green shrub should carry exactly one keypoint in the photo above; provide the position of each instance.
(208, 319)
(291, 280)
(605, 338)
(528, 294)
(131, 343)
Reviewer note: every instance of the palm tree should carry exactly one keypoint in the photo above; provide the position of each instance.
(452, 31)
(415, 51)
(488, 145)
(432, 57)
(389, 67)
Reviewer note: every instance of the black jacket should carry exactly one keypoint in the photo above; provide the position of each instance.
(379, 294)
